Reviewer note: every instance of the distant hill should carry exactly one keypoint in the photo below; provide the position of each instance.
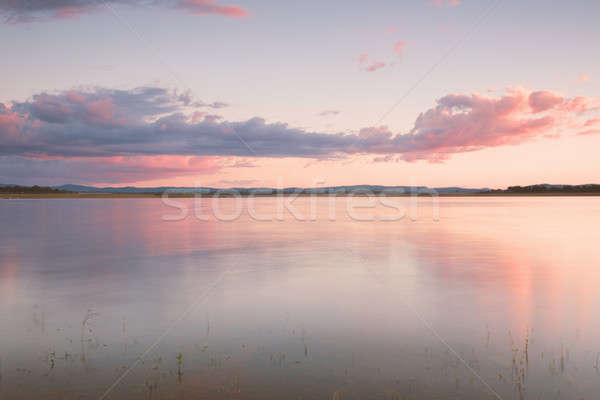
(262, 190)
(357, 189)
(129, 189)
(377, 189)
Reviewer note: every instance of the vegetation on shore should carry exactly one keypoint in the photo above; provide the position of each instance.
(14, 191)
(561, 189)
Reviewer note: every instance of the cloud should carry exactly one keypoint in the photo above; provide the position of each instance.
(440, 3)
(130, 134)
(375, 66)
(583, 78)
(212, 118)
(196, 116)
(185, 97)
(16, 11)
(592, 122)
(216, 104)
(591, 127)
(363, 58)
(100, 106)
(327, 113)
(544, 100)
(111, 170)
(589, 132)
(202, 7)
(242, 163)
(399, 47)
(108, 107)
(386, 158)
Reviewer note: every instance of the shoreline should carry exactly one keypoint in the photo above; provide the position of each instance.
(19, 196)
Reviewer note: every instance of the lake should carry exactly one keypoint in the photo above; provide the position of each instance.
(456, 297)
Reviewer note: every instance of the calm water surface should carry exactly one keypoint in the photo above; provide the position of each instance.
(499, 298)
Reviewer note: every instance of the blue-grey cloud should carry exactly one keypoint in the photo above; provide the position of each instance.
(150, 121)
(327, 113)
(24, 11)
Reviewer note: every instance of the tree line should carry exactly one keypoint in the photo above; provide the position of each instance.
(15, 189)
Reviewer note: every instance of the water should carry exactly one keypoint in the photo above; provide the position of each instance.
(499, 298)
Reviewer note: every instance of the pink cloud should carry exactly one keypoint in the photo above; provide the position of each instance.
(243, 164)
(160, 166)
(375, 66)
(122, 169)
(399, 47)
(362, 58)
(461, 123)
(581, 104)
(196, 116)
(589, 132)
(11, 124)
(544, 100)
(148, 130)
(583, 78)
(202, 7)
(102, 112)
(237, 162)
(440, 3)
(73, 11)
(75, 97)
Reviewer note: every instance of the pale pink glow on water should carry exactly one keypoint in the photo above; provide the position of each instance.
(8, 276)
(487, 276)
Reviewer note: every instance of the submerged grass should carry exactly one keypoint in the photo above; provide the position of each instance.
(520, 371)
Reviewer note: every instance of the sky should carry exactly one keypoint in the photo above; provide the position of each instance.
(258, 93)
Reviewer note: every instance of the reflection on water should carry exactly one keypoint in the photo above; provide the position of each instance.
(497, 299)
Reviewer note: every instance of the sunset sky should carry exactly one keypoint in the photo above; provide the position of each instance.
(306, 93)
